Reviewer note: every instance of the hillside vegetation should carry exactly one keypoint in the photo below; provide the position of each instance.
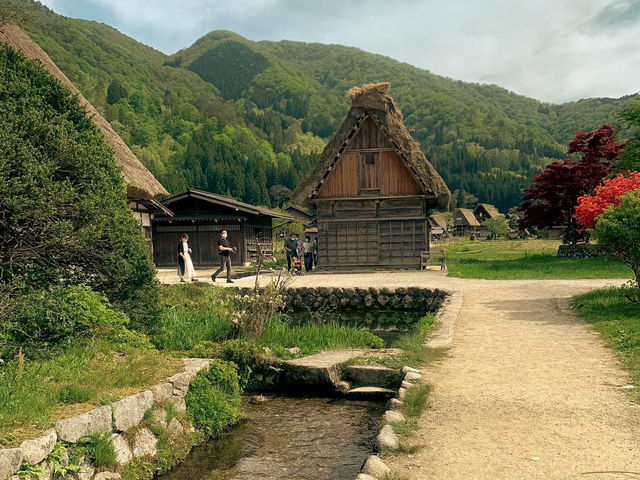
(249, 118)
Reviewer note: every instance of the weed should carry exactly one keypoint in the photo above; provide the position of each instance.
(415, 400)
(98, 447)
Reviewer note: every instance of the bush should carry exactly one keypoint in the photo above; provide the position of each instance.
(213, 399)
(63, 207)
(618, 231)
(245, 355)
(43, 318)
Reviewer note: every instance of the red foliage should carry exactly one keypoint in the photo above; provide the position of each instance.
(554, 196)
(591, 206)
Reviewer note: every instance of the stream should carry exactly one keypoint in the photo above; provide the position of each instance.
(289, 438)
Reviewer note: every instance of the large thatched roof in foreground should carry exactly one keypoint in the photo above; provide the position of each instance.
(141, 184)
(374, 101)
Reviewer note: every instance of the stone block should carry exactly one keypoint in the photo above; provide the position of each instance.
(179, 403)
(387, 439)
(393, 416)
(85, 473)
(364, 476)
(181, 381)
(196, 364)
(373, 376)
(402, 392)
(107, 476)
(121, 447)
(175, 428)
(144, 443)
(395, 404)
(129, 411)
(412, 376)
(407, 369)
(162, 392)
(34, 451)
(97, 420)
(375, 467)
(10, 460)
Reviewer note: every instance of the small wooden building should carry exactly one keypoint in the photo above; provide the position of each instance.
(372, 188)
(203, 215)
(143, 189)
(465, 223)
(299, 214)
(438, 227)
(483, 211)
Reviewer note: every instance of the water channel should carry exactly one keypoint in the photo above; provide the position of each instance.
(289, 438)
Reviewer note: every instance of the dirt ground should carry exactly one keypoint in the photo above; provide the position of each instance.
(525, 390)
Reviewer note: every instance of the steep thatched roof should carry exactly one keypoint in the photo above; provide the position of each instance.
(438, 220)
(492, 212)
(373, 101)
(141, 184)
(464, 216)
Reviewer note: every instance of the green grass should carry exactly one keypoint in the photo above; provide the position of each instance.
(99, 448)
(415, 400)
(34, 393)
(617, 320)
(182, 328)
(310, 338)
(525, 260)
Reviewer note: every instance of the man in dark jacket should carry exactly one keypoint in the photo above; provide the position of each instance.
(291, 248)
(223, 253)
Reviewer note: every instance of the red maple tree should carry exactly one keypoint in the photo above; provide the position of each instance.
(610, 193)
(552, 200)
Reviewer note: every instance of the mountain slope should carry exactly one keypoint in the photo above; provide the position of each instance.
(249, 118)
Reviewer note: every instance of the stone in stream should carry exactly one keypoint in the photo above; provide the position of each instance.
(393, 416)
(34, 451)
(10, 460)
(370, 393)
(374, 376)
(375, 467)
(320, 372)
(97, 420)
(387, 439)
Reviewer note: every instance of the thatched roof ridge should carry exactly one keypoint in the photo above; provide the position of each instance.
(141, 184)
(373, 100)
(491, 210)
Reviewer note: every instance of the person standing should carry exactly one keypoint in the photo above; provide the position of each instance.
(185, 264)
(307, 253)
(314, 250)
(223, 253)
(291, 248)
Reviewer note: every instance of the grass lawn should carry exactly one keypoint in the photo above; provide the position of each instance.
(618, 321)
(33, 393)
(525, 260)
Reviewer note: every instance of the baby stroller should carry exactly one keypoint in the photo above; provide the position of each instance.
(296, 266)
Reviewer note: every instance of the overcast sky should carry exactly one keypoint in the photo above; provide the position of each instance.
(553, 50)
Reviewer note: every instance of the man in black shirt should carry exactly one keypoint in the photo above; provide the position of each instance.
(223, 252)
(290, 246)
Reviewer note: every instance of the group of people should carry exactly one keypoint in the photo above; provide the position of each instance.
(306, 250)
(294, 249)
(185, 264)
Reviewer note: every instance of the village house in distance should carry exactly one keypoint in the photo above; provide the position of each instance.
(372, 188)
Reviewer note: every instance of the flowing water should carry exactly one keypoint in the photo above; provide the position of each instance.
(289, 438)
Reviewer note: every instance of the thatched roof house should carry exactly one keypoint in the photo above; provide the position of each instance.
(141, 184)
(465, 217)
(484, 211)
(372, 188)
(373, 101)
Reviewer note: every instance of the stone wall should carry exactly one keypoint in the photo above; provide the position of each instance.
(124, 419)
(579, 251)
(336, 298)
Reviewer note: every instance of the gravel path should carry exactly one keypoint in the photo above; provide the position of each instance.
(525, 391)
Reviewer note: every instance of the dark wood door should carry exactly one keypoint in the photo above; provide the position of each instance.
(369, 174)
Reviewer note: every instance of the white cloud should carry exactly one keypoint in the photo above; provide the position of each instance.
(554, 51)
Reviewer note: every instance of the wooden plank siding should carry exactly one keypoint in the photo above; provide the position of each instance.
(370, 210)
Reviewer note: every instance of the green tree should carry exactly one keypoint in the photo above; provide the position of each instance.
(63, 211)
(630, 158)
(115, 92)
(497, 227)
(618, 231)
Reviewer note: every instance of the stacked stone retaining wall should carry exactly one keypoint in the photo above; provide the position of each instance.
(579, 251)
(123, 419)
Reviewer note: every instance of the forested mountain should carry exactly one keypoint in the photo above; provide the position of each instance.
(250, 118)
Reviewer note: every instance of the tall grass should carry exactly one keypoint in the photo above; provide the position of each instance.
(314, 338)
(33, 394)
(183, 328)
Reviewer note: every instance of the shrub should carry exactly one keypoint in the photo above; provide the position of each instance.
(44, 318)
(213, 400)
(610, 193)
(618, 231)
(63, 209)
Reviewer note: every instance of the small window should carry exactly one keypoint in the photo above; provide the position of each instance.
(370, 159)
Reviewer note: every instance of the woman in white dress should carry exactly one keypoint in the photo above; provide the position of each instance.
(185, 264)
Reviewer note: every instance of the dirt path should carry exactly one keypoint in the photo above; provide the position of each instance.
(525, 391)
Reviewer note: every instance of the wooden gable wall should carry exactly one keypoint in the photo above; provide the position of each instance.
(369, 167)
